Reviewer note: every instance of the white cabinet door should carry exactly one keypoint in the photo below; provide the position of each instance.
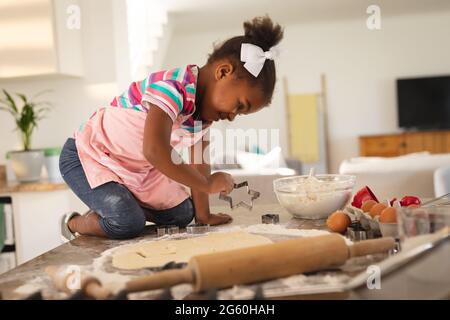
(36, 221)
(35, 39)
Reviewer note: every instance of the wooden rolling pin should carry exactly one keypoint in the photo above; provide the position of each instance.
(62, 278)
(261, 263)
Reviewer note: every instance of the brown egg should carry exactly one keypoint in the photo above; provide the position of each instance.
(388, 215)
(367, 205)
(338, 222)
(376, 209)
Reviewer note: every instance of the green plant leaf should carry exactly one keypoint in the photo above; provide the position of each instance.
(10, 101)
(40, 94)
(43, 103)
(26, 117)
(8, 110)
(43, 109)
(23, 97)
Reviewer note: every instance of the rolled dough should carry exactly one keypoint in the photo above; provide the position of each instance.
(158, 253)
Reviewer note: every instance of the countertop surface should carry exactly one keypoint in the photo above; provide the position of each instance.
(30, 277)
(39, 186)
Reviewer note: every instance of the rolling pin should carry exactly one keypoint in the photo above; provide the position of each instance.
(90, 286)
(261, 263)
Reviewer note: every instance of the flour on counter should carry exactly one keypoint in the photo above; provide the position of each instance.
(293, 285)
(40, 284)
(110, 279)
(279, 229)
(115, 280)
(282, 230)
(30, 287)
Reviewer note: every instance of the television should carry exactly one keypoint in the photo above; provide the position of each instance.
(424, 103)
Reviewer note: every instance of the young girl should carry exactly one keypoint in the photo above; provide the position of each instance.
(121, 162)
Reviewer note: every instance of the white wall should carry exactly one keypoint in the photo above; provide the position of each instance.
(360, 65)
(74, 99)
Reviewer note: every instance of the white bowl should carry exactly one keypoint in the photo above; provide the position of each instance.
(306, 198)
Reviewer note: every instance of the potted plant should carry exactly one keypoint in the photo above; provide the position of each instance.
(27, 163)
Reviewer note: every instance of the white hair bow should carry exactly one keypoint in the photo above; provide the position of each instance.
(255, 57)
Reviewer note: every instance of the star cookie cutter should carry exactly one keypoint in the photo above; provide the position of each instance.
(253, 195)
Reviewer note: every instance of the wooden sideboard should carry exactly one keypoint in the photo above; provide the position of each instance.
(391, 145)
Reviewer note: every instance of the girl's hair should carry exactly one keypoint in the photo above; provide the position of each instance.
(261, 31)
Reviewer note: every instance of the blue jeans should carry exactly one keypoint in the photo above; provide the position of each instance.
(121, 215)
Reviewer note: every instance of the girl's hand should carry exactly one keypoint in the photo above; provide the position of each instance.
(220, 182)
(216, 219)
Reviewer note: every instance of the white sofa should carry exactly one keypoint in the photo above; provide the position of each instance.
(260, 170)
(261, 181)
(412, 174)
(442, 181)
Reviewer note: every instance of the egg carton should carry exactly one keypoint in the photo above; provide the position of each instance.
(373, 226)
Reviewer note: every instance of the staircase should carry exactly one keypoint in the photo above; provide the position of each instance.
(148, 35)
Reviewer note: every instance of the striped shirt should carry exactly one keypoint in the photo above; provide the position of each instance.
(110, 143)
(172, 90)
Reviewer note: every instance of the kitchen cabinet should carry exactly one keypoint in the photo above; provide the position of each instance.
(40, 37)
(37, 209)
(391, 145)
(7, 241)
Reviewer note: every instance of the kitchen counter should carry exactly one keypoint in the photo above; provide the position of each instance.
(33, 204)
(39, 186)
(83, 250)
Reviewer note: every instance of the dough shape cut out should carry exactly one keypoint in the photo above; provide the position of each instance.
(153, 254)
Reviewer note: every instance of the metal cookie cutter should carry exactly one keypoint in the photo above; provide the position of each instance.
(253, 195)
(197, 228)
(356, 232)
(170, 229)
(270, 218)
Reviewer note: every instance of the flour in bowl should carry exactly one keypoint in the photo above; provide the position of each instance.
(314, 198)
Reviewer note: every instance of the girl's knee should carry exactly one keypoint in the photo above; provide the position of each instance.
(122, 217)
(185, 219)
(124, 226)
(185, 213)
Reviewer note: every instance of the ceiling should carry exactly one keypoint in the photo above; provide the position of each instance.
(196, 15)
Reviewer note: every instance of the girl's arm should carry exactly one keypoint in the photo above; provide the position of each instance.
(158, 151)
(201, 199)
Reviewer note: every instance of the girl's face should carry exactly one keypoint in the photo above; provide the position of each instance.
(226, 96)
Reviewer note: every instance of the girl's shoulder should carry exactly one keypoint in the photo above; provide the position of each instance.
(186, 76)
